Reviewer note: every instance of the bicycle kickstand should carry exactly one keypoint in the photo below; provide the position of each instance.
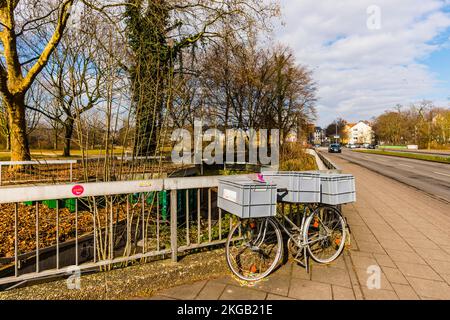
(306, 257)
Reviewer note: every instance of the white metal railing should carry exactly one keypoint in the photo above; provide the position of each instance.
(127, 221)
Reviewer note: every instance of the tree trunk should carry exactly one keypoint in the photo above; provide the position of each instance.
(8, 142)
(20, 150)
(68, 131)
(55, 143)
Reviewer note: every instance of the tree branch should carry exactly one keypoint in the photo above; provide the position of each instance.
(50, 47)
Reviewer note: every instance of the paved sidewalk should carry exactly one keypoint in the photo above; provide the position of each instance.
(403, 231)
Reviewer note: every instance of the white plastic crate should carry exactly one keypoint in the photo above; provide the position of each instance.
(302, 186)
(246, 198)
(337, 189)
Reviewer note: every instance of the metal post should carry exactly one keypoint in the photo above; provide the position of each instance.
(128, 226)
(198, 216)
(220, 224)
(76, 231)
(71, 175)
(143, 221)
(188, 240)
(95, 229)
(157, 222)
(111, 239)
(209, 215)
(173, 225)
(57, 234)
(37, 237)
(16, 242)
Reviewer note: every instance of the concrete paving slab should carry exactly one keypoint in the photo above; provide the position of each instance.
(242, 293)
(342, 293)
(405, 292)
(184, 292)
(429, 288)
(418, 271)
(211, 291)
(377, 294)
(310, 290)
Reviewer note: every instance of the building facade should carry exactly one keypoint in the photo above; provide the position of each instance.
(317, 136)
(360, 133)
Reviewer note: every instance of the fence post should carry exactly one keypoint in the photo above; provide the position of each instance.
(173, 225)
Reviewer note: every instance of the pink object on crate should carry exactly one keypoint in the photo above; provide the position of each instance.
(261, 178)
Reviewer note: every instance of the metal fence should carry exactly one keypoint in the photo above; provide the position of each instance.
(92, 169)
(43, 171)
(47, 230)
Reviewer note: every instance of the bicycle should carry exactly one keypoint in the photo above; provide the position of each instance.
(256, 250)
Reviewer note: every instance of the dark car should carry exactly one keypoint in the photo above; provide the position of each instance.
(334, 148)
(372, 146)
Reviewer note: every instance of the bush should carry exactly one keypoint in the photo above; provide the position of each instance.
(293, 157)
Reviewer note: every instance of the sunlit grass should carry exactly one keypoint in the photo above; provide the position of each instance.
(426, 157)
(56, 154)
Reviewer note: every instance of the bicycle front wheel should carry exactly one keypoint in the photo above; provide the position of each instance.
(325, 234)
(254, 248)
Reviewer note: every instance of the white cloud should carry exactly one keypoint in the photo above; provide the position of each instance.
(362, 72)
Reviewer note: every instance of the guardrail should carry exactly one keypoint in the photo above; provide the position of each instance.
(50, 230)
(328, 163)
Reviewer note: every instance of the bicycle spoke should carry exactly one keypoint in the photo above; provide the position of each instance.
(325, 234)
(258, 252)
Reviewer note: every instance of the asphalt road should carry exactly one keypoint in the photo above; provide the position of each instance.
(430, 177)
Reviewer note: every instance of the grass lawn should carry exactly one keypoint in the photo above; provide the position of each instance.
(426, 157)
(395, 147)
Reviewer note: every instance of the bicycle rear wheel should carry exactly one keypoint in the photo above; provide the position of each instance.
(254, 248)
(325, 234)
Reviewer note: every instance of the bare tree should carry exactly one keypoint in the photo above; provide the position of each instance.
(16, 75)
(73, 78)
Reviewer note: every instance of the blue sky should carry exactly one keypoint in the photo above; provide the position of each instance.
(362, 71)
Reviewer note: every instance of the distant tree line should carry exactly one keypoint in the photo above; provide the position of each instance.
(422, 124)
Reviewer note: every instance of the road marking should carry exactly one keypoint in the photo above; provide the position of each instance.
(442, 174)
(405, 165)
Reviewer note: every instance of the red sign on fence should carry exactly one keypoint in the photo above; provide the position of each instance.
(77, 190)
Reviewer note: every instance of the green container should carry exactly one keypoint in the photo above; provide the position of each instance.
(29, 203)
(70, 204)
(136, 197)
(163, 202)
(150, 198)
(51, 204)
(133, 198)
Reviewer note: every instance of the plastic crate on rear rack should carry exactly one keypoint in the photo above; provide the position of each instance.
(337, 188)
(246, 198)
(302, 186)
